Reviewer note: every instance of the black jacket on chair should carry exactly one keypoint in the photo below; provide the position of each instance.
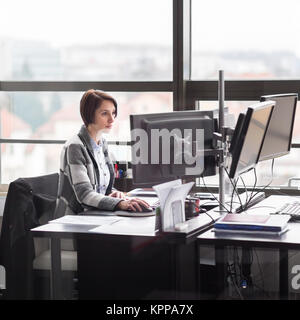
(30, 202)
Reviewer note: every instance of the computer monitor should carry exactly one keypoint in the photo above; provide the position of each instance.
(279, 134)
(183, 127)
(249, 136)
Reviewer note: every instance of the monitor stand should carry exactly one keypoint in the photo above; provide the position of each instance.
(221, 95)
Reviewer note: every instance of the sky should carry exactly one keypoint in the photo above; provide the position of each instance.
(217, 25)
(88, 21)
(245, 25)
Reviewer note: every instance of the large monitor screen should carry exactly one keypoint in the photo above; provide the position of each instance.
(279, 134)
(163, 145)
(249, 140)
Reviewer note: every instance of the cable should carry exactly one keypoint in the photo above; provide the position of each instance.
(261, 274)
(213, 220)
(255, 182)
(235, 283)
(234, 187)
(272, 176)
(245, 187)
(237, 263)
(232, 195)
(214, 196)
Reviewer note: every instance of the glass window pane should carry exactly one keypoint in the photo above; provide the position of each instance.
(55, 116)
(95, 40)
(248, 39)
(235, 107)
(28, 160)
(284, 168)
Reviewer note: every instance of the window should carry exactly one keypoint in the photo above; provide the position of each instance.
(249, 40)
(126, 47)
(56, 116)
(91, 40)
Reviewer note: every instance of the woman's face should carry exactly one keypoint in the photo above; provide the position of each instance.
(104, 117)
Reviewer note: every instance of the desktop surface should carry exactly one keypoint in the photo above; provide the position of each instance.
(129, 255)
(142, 227)
(290, 239)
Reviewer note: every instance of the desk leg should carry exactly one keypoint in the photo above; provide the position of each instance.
(185, 271)
(221, 263)
(174, 271)
(283, 274)
(55, 274)
(198, 271)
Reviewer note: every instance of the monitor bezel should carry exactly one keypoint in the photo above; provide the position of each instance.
(236, 152)
(205, 115)
(236, 132)
(269, 98)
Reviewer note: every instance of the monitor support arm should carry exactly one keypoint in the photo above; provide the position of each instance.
(223, 137)
(224, 144)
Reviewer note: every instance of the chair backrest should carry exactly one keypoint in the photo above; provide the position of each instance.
(30, 202)
(46, 184)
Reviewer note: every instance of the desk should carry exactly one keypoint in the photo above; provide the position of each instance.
(290, 240)
(130, 253)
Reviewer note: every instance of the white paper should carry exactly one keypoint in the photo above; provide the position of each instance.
(131, 226)
(86, 220)
(140, 192)
(163, 190)
(172, 201)
(176, 197)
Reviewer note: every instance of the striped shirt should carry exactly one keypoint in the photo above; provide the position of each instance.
(104, 174)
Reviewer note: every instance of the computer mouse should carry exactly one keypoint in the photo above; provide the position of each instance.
(145, 209)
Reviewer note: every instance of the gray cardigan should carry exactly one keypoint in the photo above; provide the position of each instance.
(79, 178)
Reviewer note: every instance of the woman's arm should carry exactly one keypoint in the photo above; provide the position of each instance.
(81, 174)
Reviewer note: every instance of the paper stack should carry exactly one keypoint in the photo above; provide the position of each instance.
(172, 197)
(252, 223)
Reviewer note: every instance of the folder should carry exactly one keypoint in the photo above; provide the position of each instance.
(252, 222)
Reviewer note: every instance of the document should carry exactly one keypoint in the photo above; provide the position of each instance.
(172, 202)
(142, 192)
(87, 220)
(129, 226)
(162, 190)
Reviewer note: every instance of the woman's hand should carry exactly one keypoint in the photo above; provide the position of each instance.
(133, 204)
(117, 194)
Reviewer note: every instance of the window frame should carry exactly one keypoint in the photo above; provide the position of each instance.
(185, 91)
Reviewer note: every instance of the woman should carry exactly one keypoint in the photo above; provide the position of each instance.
(86, 171)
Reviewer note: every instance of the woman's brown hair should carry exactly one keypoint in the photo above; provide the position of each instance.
(90, 102)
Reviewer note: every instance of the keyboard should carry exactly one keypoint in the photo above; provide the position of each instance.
(292, 209)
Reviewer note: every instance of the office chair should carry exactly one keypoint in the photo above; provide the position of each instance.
(30, 203)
